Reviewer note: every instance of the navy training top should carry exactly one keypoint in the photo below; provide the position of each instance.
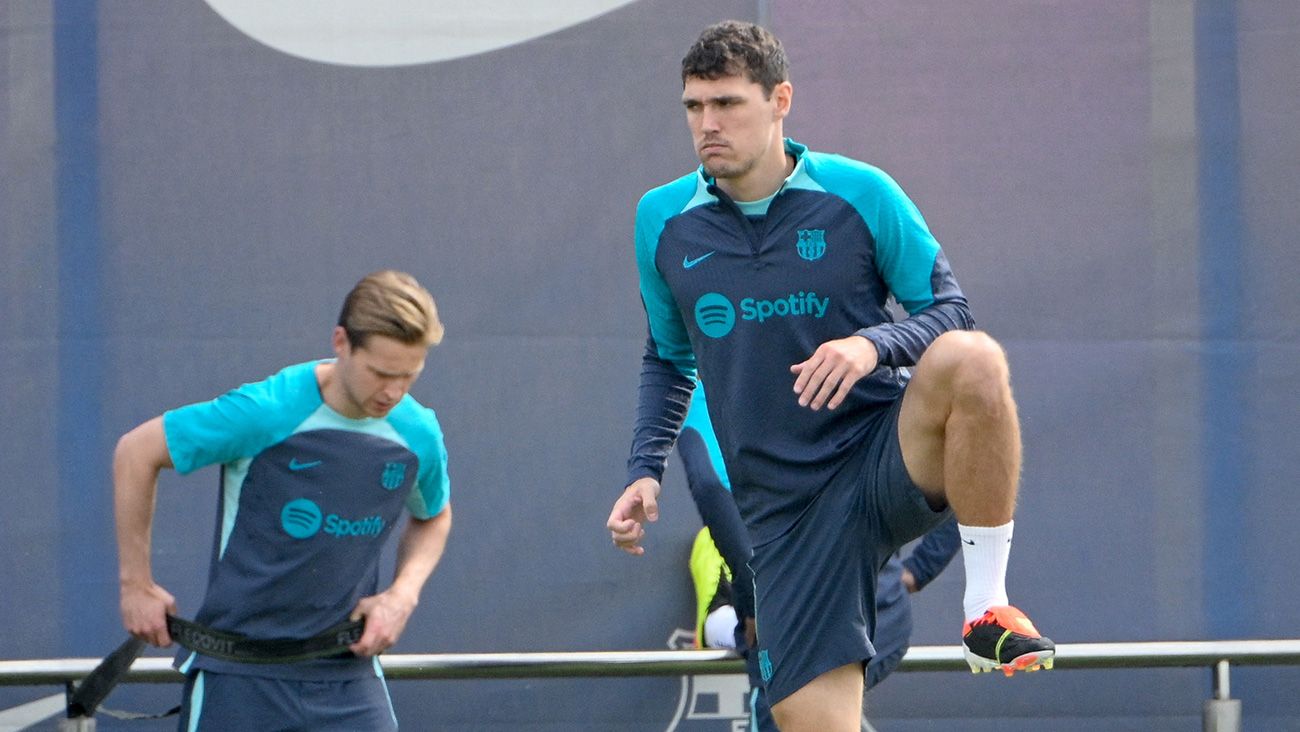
(308, 498)
(737, 293)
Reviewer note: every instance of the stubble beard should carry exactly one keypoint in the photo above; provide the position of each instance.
(728, 169)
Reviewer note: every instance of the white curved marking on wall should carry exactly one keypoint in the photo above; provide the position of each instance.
(401, 32)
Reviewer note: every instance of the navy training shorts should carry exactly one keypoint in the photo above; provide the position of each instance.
(217, 701)
(816, 584)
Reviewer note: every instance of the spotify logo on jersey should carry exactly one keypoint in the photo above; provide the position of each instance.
(715, 315)
(300, 518)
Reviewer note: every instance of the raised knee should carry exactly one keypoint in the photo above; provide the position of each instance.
(977, 362)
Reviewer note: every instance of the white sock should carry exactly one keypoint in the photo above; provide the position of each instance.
(720, 628)
(984, 551)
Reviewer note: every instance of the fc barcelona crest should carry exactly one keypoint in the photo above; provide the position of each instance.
(812, 244)
(394, 476)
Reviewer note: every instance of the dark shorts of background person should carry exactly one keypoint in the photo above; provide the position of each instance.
(238, 702)
(882, 666)
(816, 584)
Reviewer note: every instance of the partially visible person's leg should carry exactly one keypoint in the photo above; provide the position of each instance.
(960, 439)
(712, 584)
(718, 511)
(831, 702)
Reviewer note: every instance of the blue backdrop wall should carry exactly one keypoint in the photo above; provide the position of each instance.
(183, 203)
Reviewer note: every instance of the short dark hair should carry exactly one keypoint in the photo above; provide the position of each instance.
(737, 48)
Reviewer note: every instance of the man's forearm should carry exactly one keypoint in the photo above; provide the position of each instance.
(901, 344)
(137, 460)
(419, 551)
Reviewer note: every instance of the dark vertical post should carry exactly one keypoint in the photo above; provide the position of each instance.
(1226, 354)
(87, 607)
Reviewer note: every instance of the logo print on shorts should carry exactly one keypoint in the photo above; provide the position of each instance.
(300, 518)
(394, 475)
(812, 244)
(715, 315)
(765, 665)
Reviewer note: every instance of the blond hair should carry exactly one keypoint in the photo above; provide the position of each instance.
(393, 304)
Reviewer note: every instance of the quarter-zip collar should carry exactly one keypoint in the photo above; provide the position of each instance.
(744, 209)
(792, 148)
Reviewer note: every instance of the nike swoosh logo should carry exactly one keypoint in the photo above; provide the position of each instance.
(295, 465)
(687, 262)
(968, 541)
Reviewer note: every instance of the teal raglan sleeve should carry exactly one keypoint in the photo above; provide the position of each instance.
(668, 364)
(907, 256)
(668, 338)
(432, 490)
(242, 422)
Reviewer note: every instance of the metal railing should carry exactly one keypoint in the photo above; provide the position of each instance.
(1221, 712)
